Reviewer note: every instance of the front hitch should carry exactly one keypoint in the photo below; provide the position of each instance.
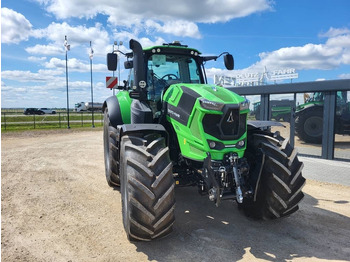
(210, 181)
(233, 161)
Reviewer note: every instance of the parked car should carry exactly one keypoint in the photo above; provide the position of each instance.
(33, 111)
(47, 110)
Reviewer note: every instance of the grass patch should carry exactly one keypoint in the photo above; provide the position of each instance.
(12, 121)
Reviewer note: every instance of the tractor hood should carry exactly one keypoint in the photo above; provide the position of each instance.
(207, 92)
(203, 113)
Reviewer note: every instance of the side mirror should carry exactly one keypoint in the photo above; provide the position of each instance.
(128, 64)
(112, 61)
(229, 62)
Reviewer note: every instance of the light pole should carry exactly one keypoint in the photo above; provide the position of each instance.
(119, 44)
(67, 47)
(91, 55)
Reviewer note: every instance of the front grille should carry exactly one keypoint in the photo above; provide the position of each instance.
(231, 125)
(230, 122)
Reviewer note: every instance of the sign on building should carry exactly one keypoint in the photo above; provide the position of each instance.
(255, 79)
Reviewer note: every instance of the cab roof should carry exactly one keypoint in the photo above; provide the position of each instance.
(174, 47)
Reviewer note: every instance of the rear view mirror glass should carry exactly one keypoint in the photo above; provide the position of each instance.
(112, 61)
(229, 62)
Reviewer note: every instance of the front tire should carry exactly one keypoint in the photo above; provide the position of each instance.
(147, 187)
(279, 187)
(111, 148)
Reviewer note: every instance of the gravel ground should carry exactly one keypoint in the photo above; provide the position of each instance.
(57, 206)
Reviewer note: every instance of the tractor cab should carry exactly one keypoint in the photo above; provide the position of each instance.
(155, 68)
(164, 70)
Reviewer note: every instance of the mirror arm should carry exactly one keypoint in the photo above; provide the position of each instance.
(224, 53)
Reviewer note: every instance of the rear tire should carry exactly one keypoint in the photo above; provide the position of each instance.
(147, 187)
(111, 148)
(309, 125)
(279, 187)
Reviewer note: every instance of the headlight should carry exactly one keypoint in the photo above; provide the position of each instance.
(216, 145)
(211, 105)
(244, 105)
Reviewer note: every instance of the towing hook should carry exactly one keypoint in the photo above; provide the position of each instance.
(233, 158)
(239, 194)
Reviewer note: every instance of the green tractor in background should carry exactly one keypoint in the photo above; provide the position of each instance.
(166, 126)
(280, 110)
(309, 117)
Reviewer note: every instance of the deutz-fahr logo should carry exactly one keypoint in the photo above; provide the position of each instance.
(230, 118)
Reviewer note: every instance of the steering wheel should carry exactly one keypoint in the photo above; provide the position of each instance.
(169, 76)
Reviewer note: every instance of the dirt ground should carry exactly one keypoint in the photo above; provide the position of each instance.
(57, 206)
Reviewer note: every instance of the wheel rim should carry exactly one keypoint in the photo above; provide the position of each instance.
(313, 126)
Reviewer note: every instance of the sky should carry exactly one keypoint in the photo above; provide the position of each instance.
(312, 36)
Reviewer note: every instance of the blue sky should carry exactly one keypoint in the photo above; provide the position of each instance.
(311, 36)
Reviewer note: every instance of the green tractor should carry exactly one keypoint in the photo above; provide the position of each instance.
(309, 117)
(167, 127)
(280, 109)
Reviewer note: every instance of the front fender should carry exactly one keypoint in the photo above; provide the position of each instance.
(128, 129)
(262, 124)
(306, 107)
(115, 116)
(118, 108)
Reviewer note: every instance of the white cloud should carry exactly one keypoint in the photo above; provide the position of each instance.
(36, 58)
(78, 37)
(14, 27)
(342, 41)
(175, 27)
(196, 10)
(45, 49)
(144, 41)
(178, 18)
(332, 32)
(27, 76)
(344, 76)
(125, 36)
(332, 54)
(74, 65)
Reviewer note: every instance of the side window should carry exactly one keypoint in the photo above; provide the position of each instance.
(194, 72)
(131, 78)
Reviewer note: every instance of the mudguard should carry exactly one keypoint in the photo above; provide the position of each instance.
(142, 128)
(262, 124)
(118, 108)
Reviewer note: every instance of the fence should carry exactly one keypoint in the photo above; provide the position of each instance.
(18, 121)
(329, 88)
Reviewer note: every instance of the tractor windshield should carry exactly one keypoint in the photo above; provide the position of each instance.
(165, 70)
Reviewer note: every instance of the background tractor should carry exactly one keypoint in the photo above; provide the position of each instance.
(280, 110)
(167, 126)
(309, 117)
